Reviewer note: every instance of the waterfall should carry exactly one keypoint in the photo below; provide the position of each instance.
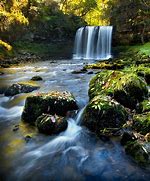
(93, 42)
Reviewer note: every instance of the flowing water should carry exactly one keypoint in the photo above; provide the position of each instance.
(93, 42)
(75, 154)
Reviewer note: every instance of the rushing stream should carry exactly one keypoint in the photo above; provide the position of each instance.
(73, 155)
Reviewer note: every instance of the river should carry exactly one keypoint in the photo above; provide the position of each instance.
(75, 154)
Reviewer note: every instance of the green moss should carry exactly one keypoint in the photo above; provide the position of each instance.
(142, 123)
(103, 112)
(101, 81)
(137, 151)
(51, 103)
(144, 106)
(126, 88)
(141, 70)
(30, 83)
(105, 65)
(49, 124)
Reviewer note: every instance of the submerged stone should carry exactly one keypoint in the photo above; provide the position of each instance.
(22, 87)
(50, 103)
(51, 124)
(102, 112)
(36, 78)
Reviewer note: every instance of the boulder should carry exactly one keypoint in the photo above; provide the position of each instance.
(139, 151)
(126, 137)
(36, 78)
(102, 113)
(81, 71)
(141, 123)
(144, 72)
(126, 88)
(49, 103)
(51, 124)
(21, 87)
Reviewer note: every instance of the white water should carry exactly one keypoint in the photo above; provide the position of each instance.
(93, 42)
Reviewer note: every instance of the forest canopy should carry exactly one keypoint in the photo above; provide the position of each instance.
(59, 19)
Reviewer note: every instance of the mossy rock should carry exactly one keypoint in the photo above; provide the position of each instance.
(105, 65)
(100, 82)
(142, 123)
(144, 72)
(50, 103)
(102, 112)
(36, 78)
(138, 152)
(49, 124)
(144, 106)
(21, 87)
(141, 70)
(127, 88)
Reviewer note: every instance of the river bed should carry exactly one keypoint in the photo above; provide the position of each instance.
(75, 154)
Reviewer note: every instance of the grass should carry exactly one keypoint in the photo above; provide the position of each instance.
(142, 49)
(58, 49)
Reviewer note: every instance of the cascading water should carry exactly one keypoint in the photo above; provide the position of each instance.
(93, 42)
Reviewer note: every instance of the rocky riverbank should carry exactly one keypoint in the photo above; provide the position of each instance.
(119, 103)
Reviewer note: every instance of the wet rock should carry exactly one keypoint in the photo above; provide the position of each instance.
(1, 73)
(105, 65)
(27, 138)
(82, 71)
(126, 137)
(51, 103)
(126, 88)
(142, 123)
(16, 128)
(144, 72)
(138, 151)
(102, 112)
(51, 124)
(90, 72)
(36, 78)
(18, 88)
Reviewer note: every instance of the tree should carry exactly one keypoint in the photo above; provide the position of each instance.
(130, 15)
(11, 15)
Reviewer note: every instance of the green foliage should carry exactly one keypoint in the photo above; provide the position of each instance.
(132, 17)
(127, 88)
(142, 123)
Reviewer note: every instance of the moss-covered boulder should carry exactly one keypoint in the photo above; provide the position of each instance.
(36, 78)
(142, 123)
(141, 70)
(101, 81)
(50, 103)
(103, 112)
(51, 124)
(21, 87)
(138, 151)
(127, 88)
(144, 72)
